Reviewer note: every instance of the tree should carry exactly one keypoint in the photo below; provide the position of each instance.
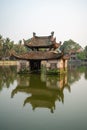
(8, 46)
(1, 45)
(81, 55)
(70, 45)
(85, 51)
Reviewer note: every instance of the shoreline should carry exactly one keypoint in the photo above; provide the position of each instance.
(8, 62)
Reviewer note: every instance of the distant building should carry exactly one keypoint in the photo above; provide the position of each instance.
(73, 54)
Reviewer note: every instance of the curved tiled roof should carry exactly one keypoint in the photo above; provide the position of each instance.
(38, 55)
(44, 41)
(41, 42)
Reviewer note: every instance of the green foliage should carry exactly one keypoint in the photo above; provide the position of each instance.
(19, 48)
(70, 45)
(81, 55)
(1, 43)
(85, 51)
(55, 71)
(7, 46)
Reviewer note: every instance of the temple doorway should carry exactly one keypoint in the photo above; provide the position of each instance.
(35, 65)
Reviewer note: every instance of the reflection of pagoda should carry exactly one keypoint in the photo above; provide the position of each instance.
(43, 48)
(41, 96)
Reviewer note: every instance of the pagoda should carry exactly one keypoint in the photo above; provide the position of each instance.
(43, 51)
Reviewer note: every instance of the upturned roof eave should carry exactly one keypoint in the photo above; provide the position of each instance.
(33, 59)
(38, 46)
(38, 58)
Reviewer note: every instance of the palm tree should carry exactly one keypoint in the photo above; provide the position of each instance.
(1, 45)
(7, 47)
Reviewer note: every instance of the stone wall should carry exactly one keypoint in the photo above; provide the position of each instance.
(22, 66)
(59, 65)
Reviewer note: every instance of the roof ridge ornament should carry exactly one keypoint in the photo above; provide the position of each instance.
(52, 33)
(34, 34)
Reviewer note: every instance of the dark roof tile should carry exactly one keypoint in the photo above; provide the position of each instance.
(38, 55)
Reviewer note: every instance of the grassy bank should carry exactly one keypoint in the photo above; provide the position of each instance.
(8, 63)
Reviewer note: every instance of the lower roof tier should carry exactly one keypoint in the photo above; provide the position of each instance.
(39, 55)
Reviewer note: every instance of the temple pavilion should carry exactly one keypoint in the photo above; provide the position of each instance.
(43, 51)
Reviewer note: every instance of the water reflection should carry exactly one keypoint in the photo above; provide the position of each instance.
(7, 76)
(75, 72)
(41, 91)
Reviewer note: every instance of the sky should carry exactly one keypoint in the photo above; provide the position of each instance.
(67, 18)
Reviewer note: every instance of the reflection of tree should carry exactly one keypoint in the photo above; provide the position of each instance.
(75, 72)
(85, 72)
(42, 94)
(7, 76)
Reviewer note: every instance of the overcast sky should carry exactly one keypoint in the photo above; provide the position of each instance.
(67, 18)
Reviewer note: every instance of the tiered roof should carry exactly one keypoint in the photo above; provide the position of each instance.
(37, 42)
(40, 41)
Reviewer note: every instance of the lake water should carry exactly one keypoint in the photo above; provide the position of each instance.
(42, 102)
